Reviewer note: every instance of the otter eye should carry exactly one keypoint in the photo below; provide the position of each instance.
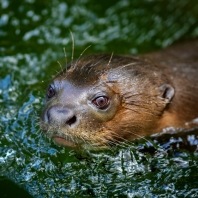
(50, 92)
(101, 102)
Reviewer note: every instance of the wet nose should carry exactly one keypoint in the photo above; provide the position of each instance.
(60, 115)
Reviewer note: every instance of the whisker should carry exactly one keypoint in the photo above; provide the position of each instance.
(57, 72)
(130, 132)
(138, 111)
(72, 37)
(65, 59)
(81, 55)
(110, 59)
(123, 66)
(91, 144)
(106, 143)
(60, 66)
(115, 141)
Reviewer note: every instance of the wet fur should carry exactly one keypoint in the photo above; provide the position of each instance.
(143, 108)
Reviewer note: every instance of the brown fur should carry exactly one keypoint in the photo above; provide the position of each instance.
(147, 93)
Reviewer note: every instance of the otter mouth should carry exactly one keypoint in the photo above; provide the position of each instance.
(75, 144)
(63, 141)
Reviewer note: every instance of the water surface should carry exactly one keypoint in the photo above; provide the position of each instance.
(33, 34)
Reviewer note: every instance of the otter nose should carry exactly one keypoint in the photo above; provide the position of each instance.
(60, 115)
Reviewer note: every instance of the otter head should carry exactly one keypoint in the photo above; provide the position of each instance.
(97, 103)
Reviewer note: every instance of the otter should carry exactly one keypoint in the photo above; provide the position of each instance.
(105, 99)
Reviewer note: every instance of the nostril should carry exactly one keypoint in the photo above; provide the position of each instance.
(71, 121)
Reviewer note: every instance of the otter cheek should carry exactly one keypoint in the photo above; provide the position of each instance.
(101, 116)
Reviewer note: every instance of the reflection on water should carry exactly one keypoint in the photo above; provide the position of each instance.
(33, 34)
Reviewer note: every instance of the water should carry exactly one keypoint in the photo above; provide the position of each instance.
(32, 37)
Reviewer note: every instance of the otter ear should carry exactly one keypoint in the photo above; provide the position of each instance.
(167, 92)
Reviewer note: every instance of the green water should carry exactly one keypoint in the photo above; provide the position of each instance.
(33, 34)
